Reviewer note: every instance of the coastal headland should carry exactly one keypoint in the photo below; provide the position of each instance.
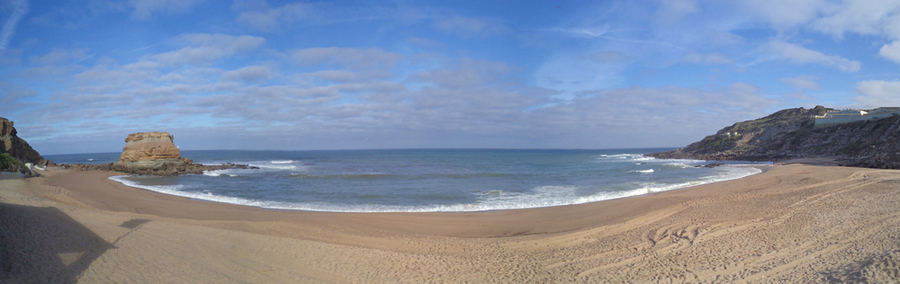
(857, 138)
(792, 223)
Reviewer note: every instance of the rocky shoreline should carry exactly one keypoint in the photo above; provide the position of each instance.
(791, 134)
(165, 169)
(145, 153)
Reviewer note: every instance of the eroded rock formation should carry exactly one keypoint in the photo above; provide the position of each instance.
(153, 153)
(149, 150)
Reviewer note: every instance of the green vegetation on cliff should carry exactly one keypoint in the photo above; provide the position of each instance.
(9, 163)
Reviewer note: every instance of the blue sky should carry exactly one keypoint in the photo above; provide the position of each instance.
(79, 76)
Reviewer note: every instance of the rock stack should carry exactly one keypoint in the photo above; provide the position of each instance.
(153, 153)
(151, 150)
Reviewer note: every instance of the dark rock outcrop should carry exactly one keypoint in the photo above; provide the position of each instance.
(165, 169)
(710, 165)
(15, 152)
(790, 133)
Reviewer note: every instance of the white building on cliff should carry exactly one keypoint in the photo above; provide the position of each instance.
(851, 115)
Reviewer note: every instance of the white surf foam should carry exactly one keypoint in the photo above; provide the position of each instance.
(542, 196)
(626, 157)
(221, 173)
(206, 196)
(678, 165)
(276, 165)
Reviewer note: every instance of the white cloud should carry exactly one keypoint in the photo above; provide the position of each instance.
(880, 18)
(424, 42)
(342, 76)
(206, 48)
(891, 51)
(191, 55)
(605, 56)
(467, 27)
(469, 73)
(144, 9)
(785, 14)
(225, 42)
(803, 82)
(248, 74)
(878, 94)
(374, 86)
(571, 74)
(11, 98)
(271, 19)
(350, 57)
(10, 57)
(706, 58)
(674, 115)
(240, 5)
(867, 17)
(57, 56)
(20, 8)
(104, 73)
(672, 11)
(801, 55)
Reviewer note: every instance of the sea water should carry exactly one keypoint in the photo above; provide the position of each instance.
(432, 180)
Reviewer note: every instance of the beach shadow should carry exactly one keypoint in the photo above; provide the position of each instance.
(133, 223)
(880, 268)
(44, 245)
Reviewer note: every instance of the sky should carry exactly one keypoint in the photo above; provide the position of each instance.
(79, 76)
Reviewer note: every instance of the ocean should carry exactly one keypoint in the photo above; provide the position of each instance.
(426, 180)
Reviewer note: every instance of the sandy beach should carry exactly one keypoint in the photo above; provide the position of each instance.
(792, 223)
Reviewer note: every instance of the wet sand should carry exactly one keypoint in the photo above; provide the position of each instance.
(792, 223)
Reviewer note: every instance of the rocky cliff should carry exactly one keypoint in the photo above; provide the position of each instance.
(790, 133)
(15, 151)
(15, 146)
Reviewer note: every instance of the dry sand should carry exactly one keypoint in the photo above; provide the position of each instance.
(793, 223)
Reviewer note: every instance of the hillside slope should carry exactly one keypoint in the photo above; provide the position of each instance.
(790, 133)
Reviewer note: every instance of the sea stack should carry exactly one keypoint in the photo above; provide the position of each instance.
(149, 149)
(152, 153)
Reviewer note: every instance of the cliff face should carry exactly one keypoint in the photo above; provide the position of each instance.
(15, 151)
(15, 146)
(790, 133)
